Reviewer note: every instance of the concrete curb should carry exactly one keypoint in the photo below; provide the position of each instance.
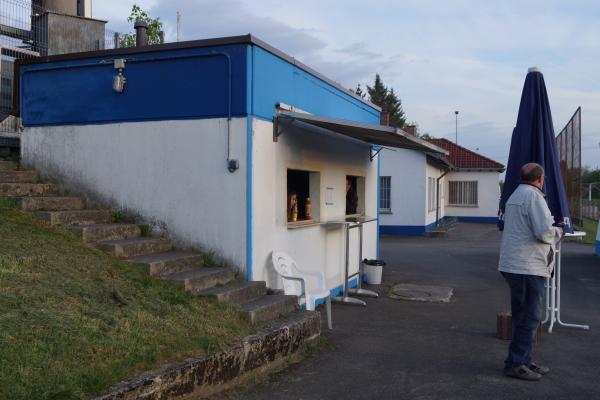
(213, 373)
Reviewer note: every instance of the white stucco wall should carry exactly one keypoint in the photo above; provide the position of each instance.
(407, 170)
(433, 172)
(315, 248)
(172, 173)
(488, 194)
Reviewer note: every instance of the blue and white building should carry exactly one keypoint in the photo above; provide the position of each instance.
(419, 190)
(207, 139)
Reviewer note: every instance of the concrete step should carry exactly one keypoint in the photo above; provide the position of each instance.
(18, 176)
(76, 217)
(51, 203)
(8, 165)
(269, 307)
(238, 292)
(172, 262)
(128, 248)
(29, 189)
(103, 232)
(201, 279)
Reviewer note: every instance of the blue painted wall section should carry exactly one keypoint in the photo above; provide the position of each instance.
(275, 80)
(191, 83)
(478, 220)
(176, 84)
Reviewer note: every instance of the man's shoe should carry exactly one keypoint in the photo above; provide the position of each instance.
(522, 372)
(540, 369)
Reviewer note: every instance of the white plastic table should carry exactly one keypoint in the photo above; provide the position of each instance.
(553, 286)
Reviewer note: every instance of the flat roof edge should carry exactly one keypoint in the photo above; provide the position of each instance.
(75, 16)
(422, 146)
(424, 143)
(245, 39)
(222, 41)
(264, 45)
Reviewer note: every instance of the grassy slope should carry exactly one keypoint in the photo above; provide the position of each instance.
(589, 227)
(75, 321)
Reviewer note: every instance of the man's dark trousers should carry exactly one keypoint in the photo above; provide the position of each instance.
(526, 298)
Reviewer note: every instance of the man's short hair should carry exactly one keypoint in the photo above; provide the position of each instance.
(531, 172)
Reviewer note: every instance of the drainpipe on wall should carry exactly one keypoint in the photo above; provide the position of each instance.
(437, 199)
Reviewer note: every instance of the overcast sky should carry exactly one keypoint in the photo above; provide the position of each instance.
(439, 56)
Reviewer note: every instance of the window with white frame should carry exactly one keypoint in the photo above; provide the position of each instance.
(431, 193)
(303, 196)
(385, 194)
(462, 193)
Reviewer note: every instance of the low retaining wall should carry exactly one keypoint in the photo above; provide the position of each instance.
(209, 374)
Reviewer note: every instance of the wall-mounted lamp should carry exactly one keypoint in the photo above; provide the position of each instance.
(119, 80)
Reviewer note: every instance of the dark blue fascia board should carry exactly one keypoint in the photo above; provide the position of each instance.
(418, 230)
(402, 230)
(476, 220)
(191, 83)
(407, 230)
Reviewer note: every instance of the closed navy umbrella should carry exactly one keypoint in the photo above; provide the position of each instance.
(533, 141)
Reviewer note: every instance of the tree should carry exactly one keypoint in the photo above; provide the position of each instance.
(378, 93)
(154, 27)
(387, 99)
(359, 92)
(394, 107)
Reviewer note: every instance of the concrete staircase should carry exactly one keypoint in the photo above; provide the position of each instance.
(123, 240)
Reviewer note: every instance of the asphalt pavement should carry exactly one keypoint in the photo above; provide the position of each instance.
(395, 349)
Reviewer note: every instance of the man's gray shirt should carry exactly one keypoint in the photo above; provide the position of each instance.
(529, 239)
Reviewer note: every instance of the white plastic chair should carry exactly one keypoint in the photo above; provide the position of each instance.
(308, 285)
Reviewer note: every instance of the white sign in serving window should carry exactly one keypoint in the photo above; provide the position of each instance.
(329, 196)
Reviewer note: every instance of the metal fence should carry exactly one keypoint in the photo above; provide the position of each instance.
(29, 30)
(568, 143)
(590, 209)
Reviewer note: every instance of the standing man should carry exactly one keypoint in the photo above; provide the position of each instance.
(351, 196)
(526, 260)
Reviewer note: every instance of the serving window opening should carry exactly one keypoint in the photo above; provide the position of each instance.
(355, 195)
(303, 192)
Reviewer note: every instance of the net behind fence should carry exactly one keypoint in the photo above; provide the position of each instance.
(568, 143)
(29, 30)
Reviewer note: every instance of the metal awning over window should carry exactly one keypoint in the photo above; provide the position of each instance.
(373, 134)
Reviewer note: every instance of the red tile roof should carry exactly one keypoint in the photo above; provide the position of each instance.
(463, 158)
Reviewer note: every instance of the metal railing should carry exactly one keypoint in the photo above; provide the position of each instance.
(590, 209)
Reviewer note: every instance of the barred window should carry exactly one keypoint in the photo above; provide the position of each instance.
(385, 193)
(431, 193)
(462, 193)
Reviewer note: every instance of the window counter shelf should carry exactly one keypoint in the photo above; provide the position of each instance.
(303, 224)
